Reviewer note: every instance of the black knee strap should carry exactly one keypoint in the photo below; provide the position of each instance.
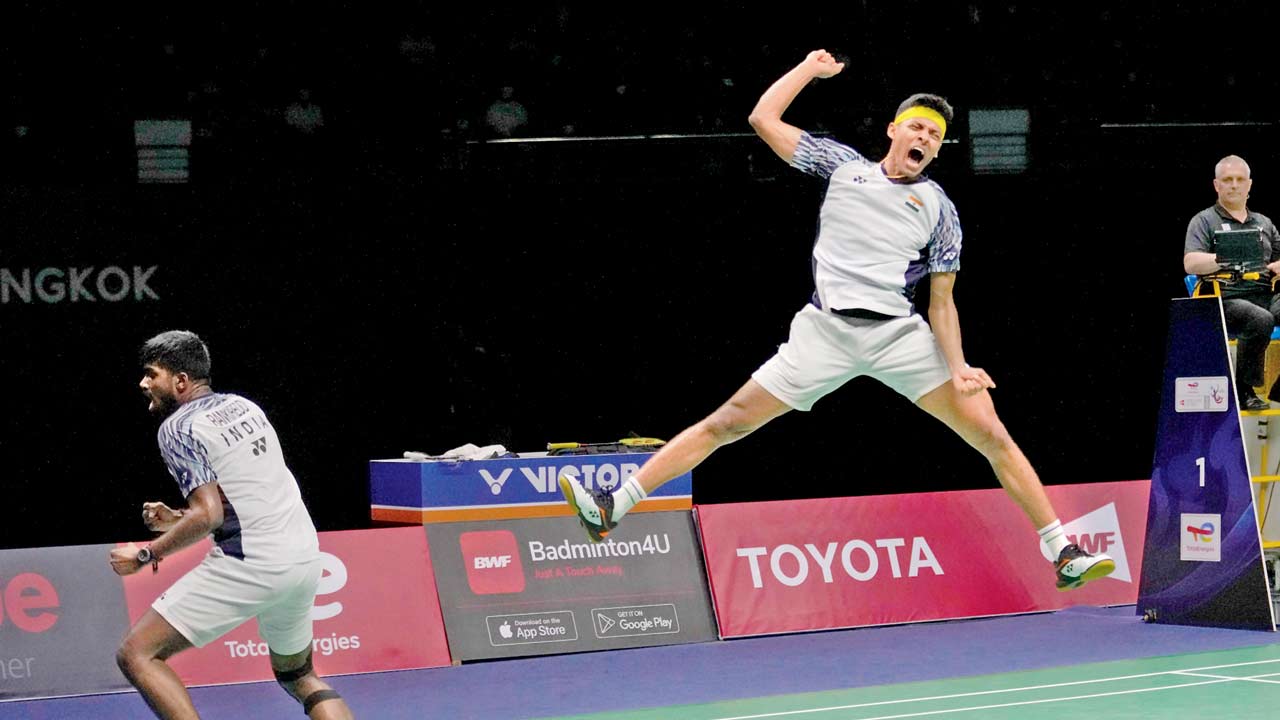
(318, 697)
(296, 674)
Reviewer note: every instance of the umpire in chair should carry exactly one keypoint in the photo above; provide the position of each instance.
(1239, 249)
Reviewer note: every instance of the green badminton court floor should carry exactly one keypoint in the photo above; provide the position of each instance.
(1239, 684)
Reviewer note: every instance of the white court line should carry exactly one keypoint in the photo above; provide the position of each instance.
(1013, 690)
(1251, 678)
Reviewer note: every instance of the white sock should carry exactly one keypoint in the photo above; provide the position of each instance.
(626, 497)
(1055, 537)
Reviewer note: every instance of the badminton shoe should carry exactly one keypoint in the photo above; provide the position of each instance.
(594, 509)
(1077, 567)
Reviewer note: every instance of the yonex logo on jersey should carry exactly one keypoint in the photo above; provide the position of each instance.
(492, 562)
(260, 446)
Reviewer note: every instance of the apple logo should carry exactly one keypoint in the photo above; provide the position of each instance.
(505, 630)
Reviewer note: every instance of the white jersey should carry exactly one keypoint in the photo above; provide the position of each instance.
(226, 439)
(877, 236)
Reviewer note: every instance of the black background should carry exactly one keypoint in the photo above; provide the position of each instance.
(396, 281)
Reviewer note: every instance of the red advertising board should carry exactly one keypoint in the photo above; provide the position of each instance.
(376, 609)
(802, 565)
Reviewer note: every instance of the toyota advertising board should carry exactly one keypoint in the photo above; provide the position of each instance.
(830, 563)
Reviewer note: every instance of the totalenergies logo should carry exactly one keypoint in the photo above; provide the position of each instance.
(1204, 533)
(29, 601)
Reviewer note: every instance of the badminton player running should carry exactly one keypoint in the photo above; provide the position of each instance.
(265, 561)
(883, 226)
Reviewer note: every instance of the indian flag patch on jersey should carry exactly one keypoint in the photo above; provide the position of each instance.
(914, 203)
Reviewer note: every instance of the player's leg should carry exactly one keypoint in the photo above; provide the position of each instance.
(908, 359)
(973, 418)
(747, 411)
(286, 626)
(815, 360)
(296, 675)
(141, 658)
(750, 408)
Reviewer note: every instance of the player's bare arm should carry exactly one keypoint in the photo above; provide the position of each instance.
(202, 516)
(945, 321)
(766, 118)
(159, 517)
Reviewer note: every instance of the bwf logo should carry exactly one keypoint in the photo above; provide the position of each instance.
(492, 560)
(1098, 532)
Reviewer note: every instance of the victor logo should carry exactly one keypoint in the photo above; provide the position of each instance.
(495, 483)
(544, 479)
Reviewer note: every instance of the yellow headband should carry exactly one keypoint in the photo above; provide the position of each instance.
(921, 111)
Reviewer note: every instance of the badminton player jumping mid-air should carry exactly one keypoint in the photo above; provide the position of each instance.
(883, 226)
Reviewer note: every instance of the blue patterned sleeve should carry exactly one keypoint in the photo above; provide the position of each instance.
(186, 457)
(821, 156)
(944, 243)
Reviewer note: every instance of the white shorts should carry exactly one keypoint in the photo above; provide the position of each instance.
(223, 592)
(826, 350)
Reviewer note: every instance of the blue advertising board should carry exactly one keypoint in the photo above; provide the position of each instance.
(1202, 563)
(421, 491)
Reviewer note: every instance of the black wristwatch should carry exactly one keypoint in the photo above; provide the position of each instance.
(145, 556)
